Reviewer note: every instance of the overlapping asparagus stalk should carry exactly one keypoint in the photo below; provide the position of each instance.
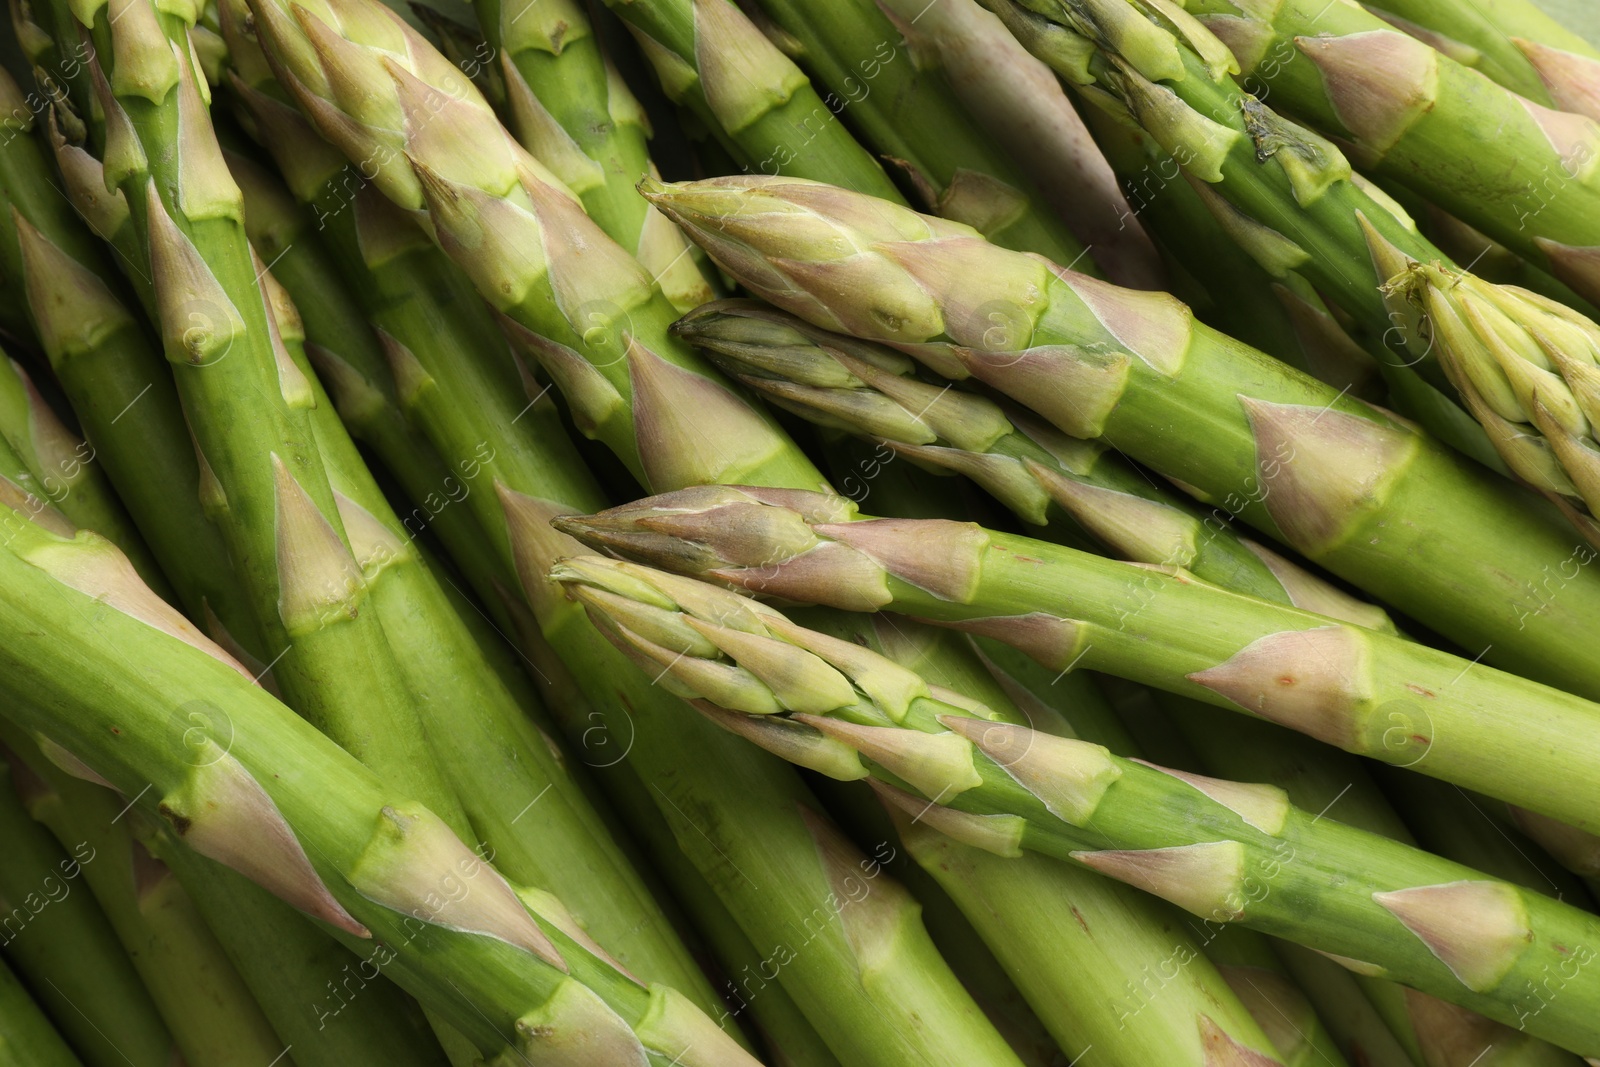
(27, 1037)
(1225, 851)
(909, 114)
(210, 1013)
(1018, 101)
(1349, 487)
(1531, 178)
(64, 468)
(715, 63)
(262, 791)
(1367, 692)
(55, 934)
(1512, 41)
(246, 403)
(760, 818)
(568, 105)
(1047, 478)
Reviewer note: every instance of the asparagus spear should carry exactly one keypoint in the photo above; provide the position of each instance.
(261, 790)
(758, 821)
(1531, 179)
(1042, 475)
(65, 468)
(715, 63)
(1283, 193)
(1367, 692)
(1225, 851)
(568, 105)
(1527, 367)
(1360, 493)
(57, 937)
(1019, 102)
(910, 116)
(1512, 41)
(27, 1037)
(210, 1013)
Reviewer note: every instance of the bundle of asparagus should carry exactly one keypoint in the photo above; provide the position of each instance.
(355, 709)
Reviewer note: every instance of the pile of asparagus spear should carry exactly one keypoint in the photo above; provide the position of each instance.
(818, 533)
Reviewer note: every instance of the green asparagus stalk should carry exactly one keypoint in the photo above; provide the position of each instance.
(248, 406)
(1348, 487)
(909, 114)
(631, 385)
(568, 105)
(1286, 195)
(760, 820)
(210, 1013)
(65, 470)
(27, 1037)
(715, 63)
(1045, 477)
(58, 939)
(1532, 177)
(1319, 780)
(1527, 367)
(1225, 851)
(1018, 101)
(119, 386)
(496, 761)
(1513, 42)
(1366, 692)
(262, 791)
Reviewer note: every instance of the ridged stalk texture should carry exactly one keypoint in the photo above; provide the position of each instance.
(600, 307)
(1225, 851)
(1524, 174)
(1365, 495)
(568, 105)
(264, 792)
(908, 113)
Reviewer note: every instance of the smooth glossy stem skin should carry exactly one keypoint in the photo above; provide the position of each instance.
(208, 1009)
(758, 823)
(1534, 181)
(1318, 779)
(59, 941)
(27, 1037)
(1367, 692)
(909, 114)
